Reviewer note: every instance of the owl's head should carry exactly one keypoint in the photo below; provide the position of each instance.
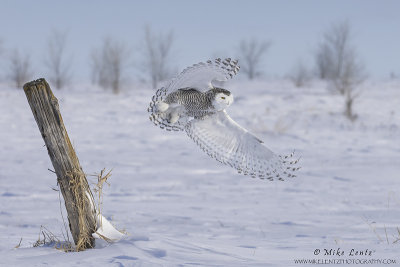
(222, 98)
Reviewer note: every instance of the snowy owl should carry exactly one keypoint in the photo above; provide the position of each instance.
(191, 103)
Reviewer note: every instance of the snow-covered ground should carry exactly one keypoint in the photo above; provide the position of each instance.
(182, 208)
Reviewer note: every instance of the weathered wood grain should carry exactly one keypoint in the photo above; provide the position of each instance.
(70, 176)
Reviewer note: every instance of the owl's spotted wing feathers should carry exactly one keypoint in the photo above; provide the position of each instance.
(226, 141)
(200, 77)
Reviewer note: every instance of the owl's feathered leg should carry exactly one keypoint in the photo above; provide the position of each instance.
(161, 106)
(170, 112)
(173, 116)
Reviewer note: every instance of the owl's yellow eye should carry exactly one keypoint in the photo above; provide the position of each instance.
(223, 97)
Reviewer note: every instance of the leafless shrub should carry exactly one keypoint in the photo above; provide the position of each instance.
(322, 61)
(56, 61)
(300, 75)
(1, 57)
(20, 70)
(343, 70)
(251, 53)
(109, 64)
(157, 53)
(392, 75)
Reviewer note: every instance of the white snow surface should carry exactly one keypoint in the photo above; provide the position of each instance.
(182, 208)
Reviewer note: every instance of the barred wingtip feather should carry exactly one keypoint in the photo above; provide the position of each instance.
(224, 140)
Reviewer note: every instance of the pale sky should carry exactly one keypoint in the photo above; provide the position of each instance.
(204, 29)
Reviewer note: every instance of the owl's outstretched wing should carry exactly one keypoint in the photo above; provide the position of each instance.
(226, 141)
(200, 77)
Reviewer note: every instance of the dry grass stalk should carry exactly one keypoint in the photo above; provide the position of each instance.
(372, 225)
(19, 244)
(398, 236)
(98, 189)
(81, 192)
(49, 239)
(63, 219)
(102, 178)
(104, 238)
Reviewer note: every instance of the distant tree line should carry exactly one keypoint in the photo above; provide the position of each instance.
(335, 57)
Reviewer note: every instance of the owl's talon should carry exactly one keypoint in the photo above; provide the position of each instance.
(173, 117)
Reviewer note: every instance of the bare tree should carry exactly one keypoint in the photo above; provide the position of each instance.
(322, 61)
(56, 60)
(109, 64)
(251, 53)
(1, 56)
(300, 75)
(158, 49)
(1, 47)
(348, 82)
(344, 70)
(20, 68)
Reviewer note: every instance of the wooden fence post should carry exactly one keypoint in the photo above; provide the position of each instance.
(70, 176)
